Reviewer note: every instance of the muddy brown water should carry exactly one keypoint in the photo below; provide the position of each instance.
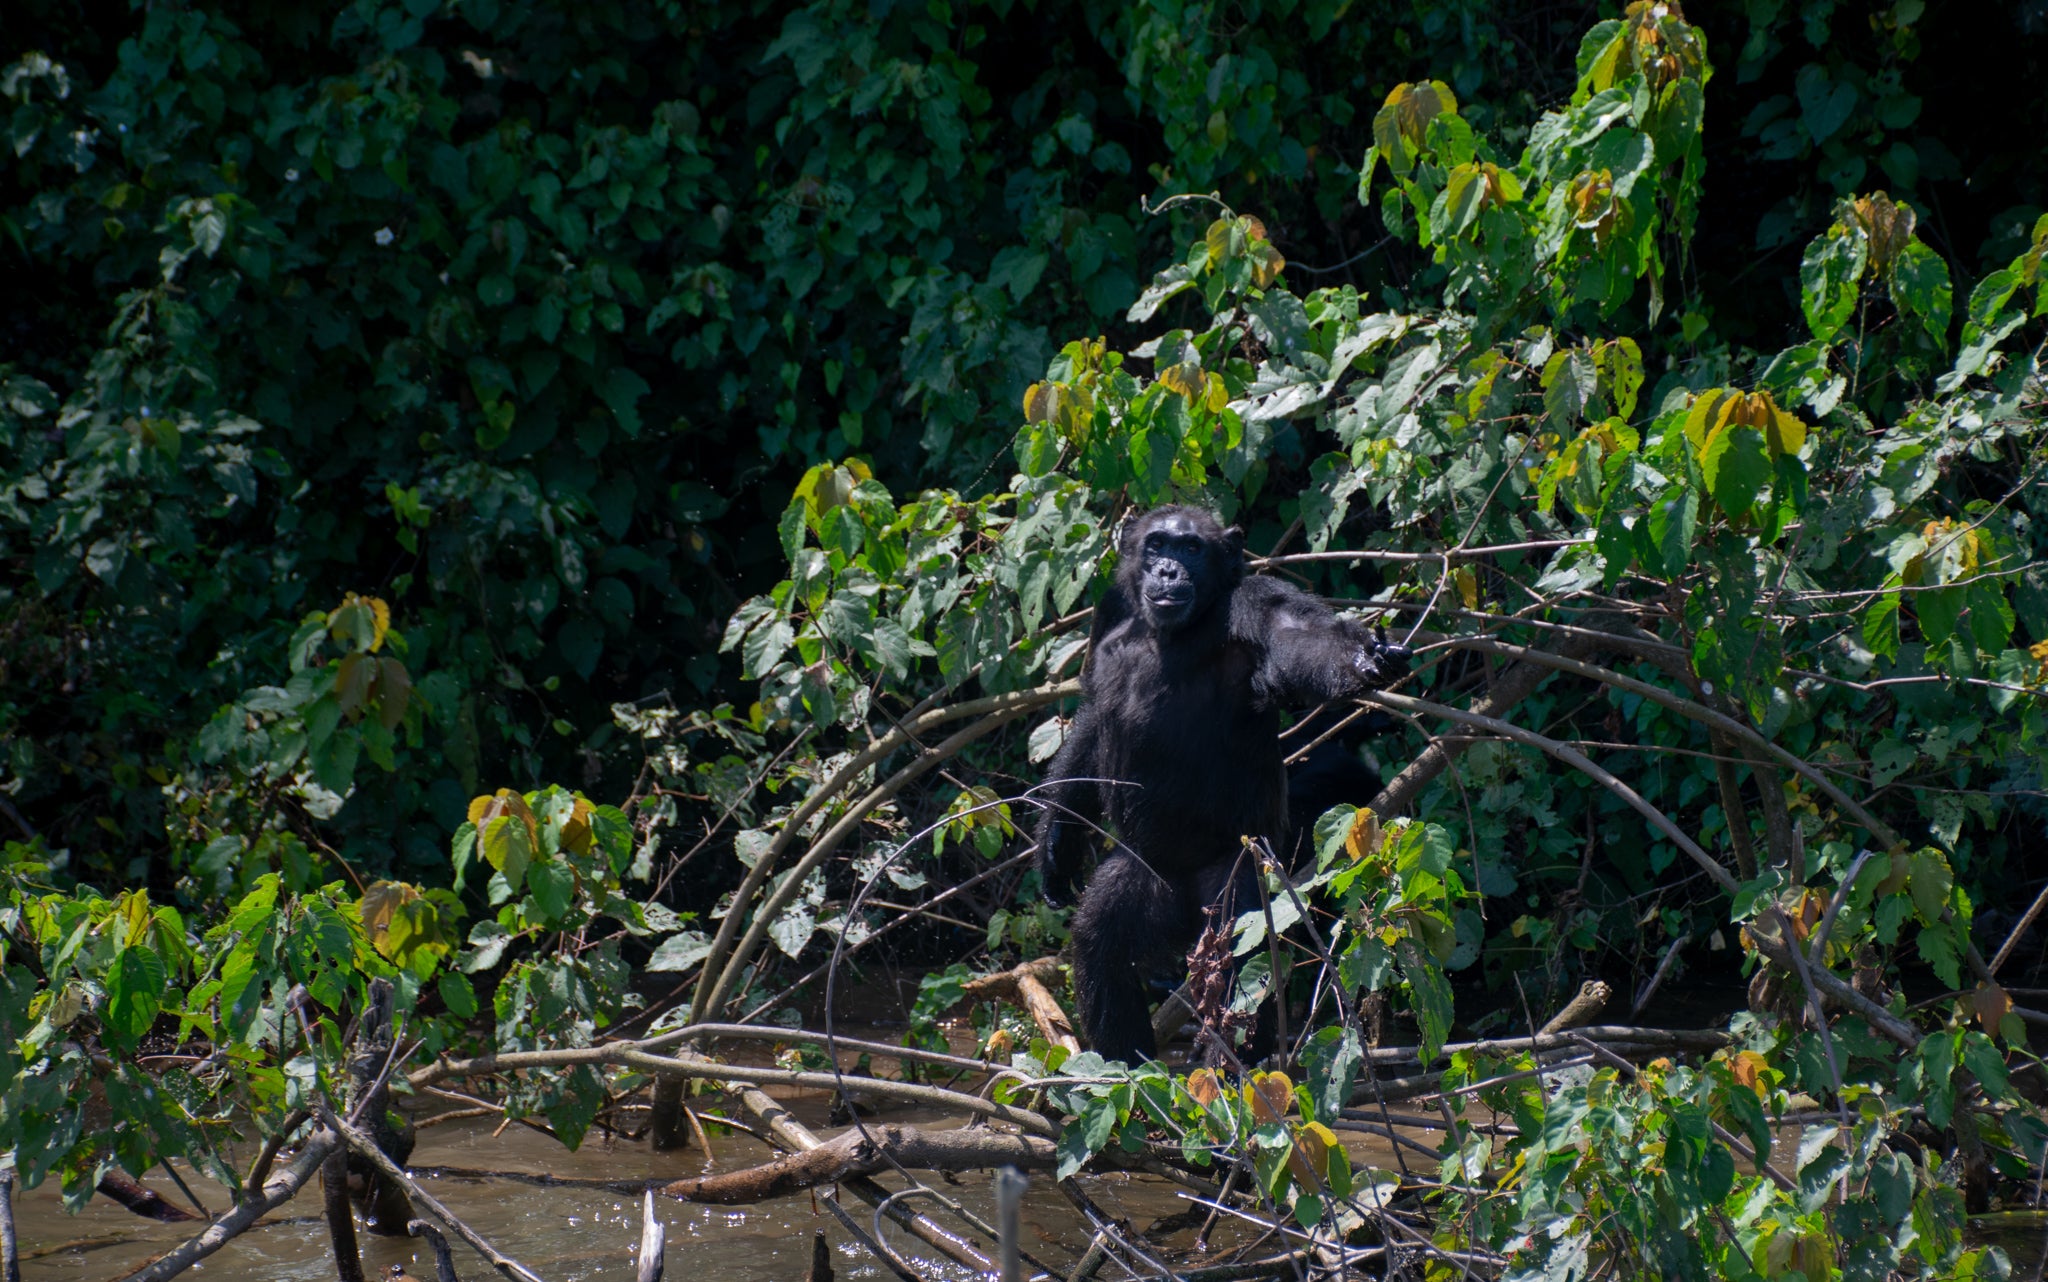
(567, 1234)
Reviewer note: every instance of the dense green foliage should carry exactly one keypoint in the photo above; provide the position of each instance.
(428, 401)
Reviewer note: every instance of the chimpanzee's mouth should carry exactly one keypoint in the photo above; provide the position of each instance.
(1171, 598)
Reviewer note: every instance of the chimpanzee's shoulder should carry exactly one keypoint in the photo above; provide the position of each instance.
(1260, 597)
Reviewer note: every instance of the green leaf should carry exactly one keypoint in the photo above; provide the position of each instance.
(1827, 281)
(135, 992)
(330, 930)
(1920, 286)
(621, 390)
(1668, 529)
(1991, 616)
(508, 846)
(1429, 997)
(1881, 625)
(1938, 609)
(1570, 379)
(1735, 468)
(1930, 883)
(457, 994)
(553, 885)
(1937, 1065)
(1824, 104)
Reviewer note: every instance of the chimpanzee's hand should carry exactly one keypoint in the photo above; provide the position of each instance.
(1056, 883)
(1381, 662)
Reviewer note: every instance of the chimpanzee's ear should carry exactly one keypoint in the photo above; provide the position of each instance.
(1234, 539)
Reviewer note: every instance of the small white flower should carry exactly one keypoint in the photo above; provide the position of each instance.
(384, 236)
(291, 175)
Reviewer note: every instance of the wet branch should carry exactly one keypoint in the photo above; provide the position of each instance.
(244, 1214)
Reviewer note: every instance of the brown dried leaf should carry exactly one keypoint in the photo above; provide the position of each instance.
(1989, 1004)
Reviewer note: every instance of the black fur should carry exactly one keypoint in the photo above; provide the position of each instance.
(1175, 753)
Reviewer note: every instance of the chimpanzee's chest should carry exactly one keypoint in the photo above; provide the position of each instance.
(1187, 745)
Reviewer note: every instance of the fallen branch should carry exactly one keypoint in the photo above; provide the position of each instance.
(1646, 1040)
(628, 1055)
(244, 1214)
(867, 1151)
(444, 1260)
(771, 1033)
(1026, 986)
(791, 1132)
(146, 1202)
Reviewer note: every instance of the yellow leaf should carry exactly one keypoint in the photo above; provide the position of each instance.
(1203, 1087)
(1269, 1096)
(1467, 581)
(479, 807)
(1217, 395)
(1701, 419)
(1217, 239)
(1041, 402)
(1267, 264)
(576, 829)
(1748, 1068)
(1185, 378)
(1310, 1159)
(1415, 105)
(360, 622)
(381, 908)
(1364, 838)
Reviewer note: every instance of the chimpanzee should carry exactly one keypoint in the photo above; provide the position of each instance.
(1175, 755)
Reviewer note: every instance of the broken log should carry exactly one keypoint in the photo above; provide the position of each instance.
(146, 1202)
(1026, 986)
(1585, 1004)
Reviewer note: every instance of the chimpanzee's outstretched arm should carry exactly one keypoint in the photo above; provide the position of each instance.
(1071, 809)
(1309, 653)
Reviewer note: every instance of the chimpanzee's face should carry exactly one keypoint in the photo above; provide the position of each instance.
(1179, 576)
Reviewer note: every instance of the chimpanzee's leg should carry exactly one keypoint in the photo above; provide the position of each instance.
(1130, 920)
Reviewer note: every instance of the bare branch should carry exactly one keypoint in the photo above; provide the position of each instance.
(868, 1152)
(712, 978)
(244, 1213)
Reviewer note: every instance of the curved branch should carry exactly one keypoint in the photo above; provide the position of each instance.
(1512, 686)
(1771, 945)
(721, 945)
(1692, 710)
(792, 884)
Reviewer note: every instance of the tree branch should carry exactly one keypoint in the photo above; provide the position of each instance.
(867, 1151)
(244, 1213)
(757, 876)
(712, 994)
(1772, 946)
